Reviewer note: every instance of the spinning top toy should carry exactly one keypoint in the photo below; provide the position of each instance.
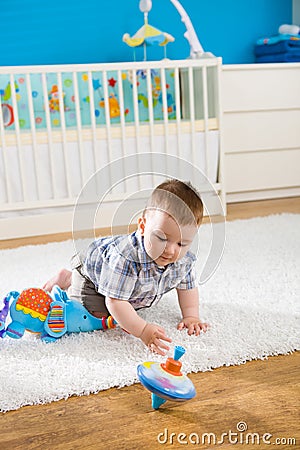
(165, 381)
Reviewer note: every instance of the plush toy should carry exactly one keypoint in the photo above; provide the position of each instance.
(50, 314)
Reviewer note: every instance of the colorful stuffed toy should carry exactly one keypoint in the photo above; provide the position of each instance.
(50, 314)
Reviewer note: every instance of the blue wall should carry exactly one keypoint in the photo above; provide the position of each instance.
(72, 31)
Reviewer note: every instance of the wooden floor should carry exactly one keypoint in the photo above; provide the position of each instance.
(262, 396)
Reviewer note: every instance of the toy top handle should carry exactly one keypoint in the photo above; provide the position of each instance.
(178, 352)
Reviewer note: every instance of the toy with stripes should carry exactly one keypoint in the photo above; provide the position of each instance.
(50, 314)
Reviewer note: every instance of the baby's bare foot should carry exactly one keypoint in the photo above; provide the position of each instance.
(62, 279)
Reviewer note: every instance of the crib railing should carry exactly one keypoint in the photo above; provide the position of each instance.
(189, 104)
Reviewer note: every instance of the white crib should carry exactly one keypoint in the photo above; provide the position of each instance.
(43, 167)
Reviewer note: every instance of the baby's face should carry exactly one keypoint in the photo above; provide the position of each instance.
(165, 241)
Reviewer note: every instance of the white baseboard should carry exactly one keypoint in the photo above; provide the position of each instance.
(62, 221)
(111, 216)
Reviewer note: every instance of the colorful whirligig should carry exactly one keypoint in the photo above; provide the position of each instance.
(165, 381)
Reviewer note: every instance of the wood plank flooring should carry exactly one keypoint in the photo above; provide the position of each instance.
(264, 395)
(260, 395)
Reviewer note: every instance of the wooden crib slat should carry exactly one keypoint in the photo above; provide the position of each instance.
(64, 134)
(123, 125)
(93, 120)
(177, 111)
(33, 134)
(192, 114)
(151, 122)
(165, 107)
(18, 137)
(136, 124)
(150, 108)
(107, 122)
(168, 149)
(5, 159)
(79, 128)
(205, 111)
(49, 136)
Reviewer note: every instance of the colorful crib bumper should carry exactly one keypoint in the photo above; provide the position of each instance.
(87, 105)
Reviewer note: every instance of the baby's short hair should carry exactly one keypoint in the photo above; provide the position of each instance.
(178, 199)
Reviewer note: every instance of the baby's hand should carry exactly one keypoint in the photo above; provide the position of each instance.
(193, 324)
(153, 336)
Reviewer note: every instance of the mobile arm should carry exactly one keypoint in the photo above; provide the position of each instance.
(196, 48)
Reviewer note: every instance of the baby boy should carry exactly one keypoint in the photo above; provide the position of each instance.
(119, 275)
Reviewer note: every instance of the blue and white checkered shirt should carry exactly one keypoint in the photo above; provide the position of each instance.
(120, 268)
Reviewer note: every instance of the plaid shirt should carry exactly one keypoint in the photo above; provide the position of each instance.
(120, 268)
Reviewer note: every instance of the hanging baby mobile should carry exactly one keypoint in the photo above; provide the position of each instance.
(148, 35)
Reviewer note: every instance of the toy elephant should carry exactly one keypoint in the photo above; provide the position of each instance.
(51, 315)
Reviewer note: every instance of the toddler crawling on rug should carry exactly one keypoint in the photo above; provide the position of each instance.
(119, 275)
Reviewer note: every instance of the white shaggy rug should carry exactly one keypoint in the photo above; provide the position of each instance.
(252, 303)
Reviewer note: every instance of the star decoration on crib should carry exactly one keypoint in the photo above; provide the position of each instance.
(112, 82)
(96, 84)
